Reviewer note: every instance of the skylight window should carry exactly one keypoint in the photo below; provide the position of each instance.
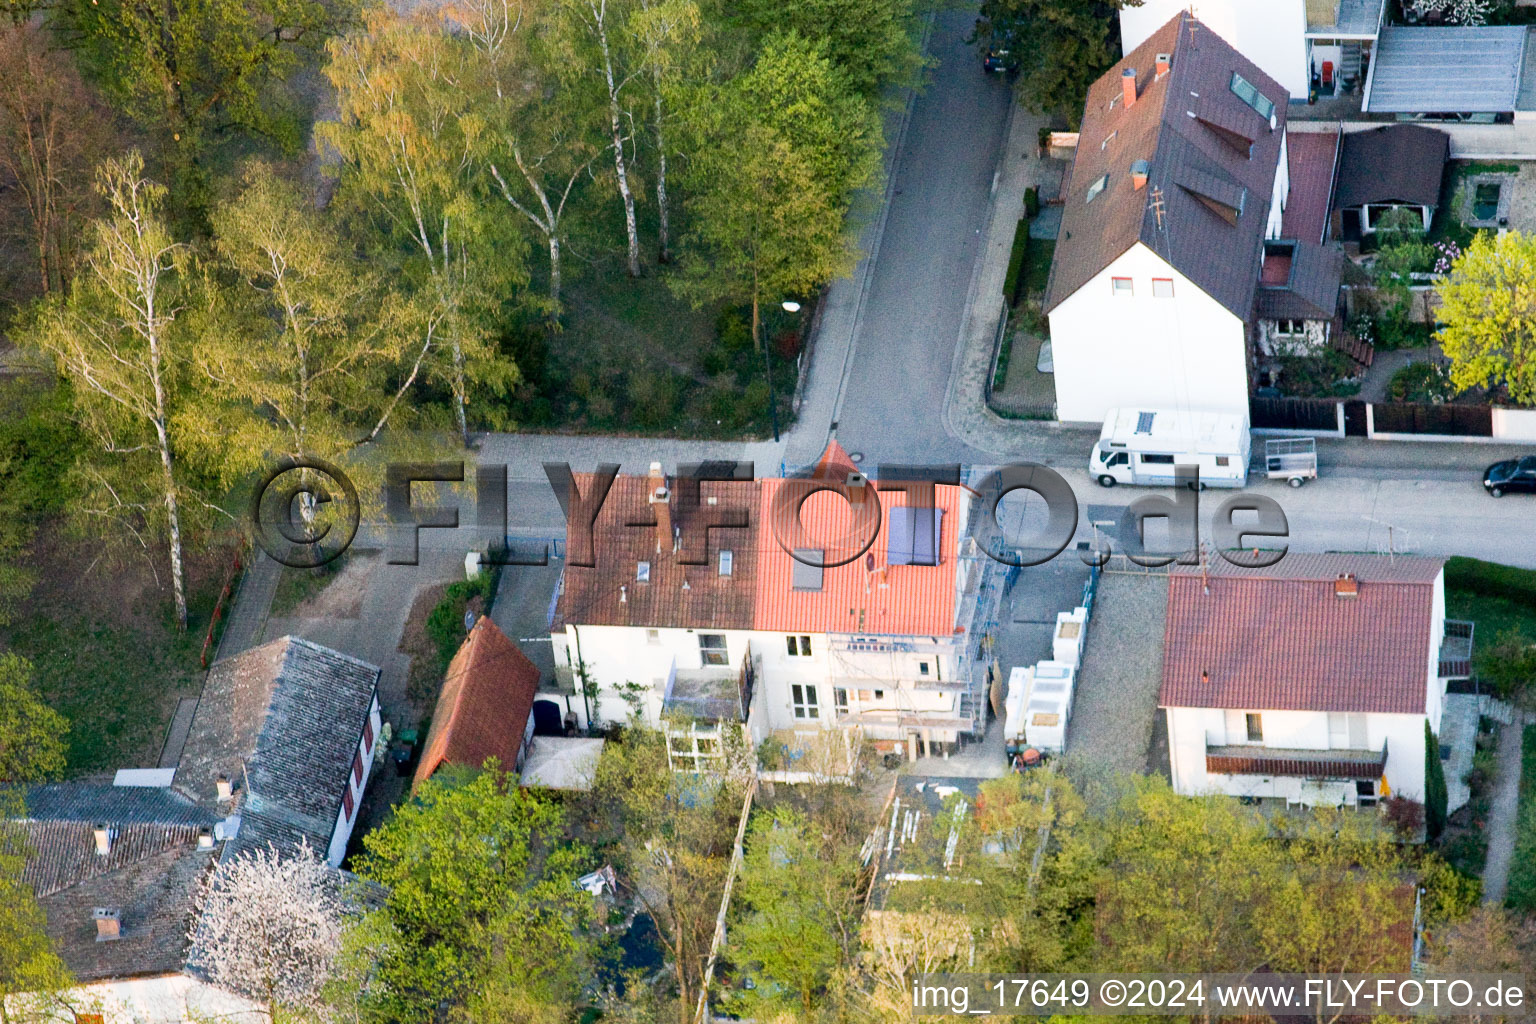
(727, 562)
(1249, 94)
(1097, 187)
(643, 572)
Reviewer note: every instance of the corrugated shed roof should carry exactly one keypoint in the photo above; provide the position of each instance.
(484, 706)
(1452, 69)
(892, 600)
(1398, 163)
(120, 805)
(1191, 128)
(1280, 639)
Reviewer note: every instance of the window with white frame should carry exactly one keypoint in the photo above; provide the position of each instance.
(840, 699)
(803, 700)
(1122, 287)
(712, 649)
(799, 646)
(1290, 328)
(1162, 287)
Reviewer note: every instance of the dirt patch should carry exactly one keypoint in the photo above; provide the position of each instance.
(342, 598)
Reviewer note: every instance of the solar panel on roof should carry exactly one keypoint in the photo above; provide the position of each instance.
(1144, 422)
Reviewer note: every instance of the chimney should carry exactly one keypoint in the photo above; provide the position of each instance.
(1346, 586)
(1205, 676)
(205, 838)
(1139, 171)
(108, 924)
(1128, 87)
(103, 836)
(661, 507)
(1162, 64)
(222, 787)
(858, 487)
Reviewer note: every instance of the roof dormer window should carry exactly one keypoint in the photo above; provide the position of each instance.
(1249, 94)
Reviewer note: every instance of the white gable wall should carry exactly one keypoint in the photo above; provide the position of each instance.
(1187, 352)
(1270, 33)
(342, 833)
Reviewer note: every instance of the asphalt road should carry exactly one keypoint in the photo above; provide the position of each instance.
(893, 398)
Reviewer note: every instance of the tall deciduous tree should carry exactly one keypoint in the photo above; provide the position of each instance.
(780, 157)
(115, 337)
(32, 734)
(32, 977)
(1488, 307)
(667, 34)
(409, 134)
(268, 926)
(308, 341)
(52, 133)
(1061, 46)
(597, 36)
(197, 73)
(872, 41)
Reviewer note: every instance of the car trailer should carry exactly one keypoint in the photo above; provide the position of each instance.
(1292, 459)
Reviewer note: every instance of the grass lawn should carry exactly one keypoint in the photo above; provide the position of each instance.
(1038, 272)
(116, 673)
(1498, 598)
(1522, 870)
(295, 586)
(634, 358)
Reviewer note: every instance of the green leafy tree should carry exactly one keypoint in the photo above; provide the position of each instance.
(1403, 253)
(667, 34)
(32, 734)
(1436, 795)
(874, 42)
(39, 445)
(1488, 308)
(800, 897)
(33, 979)
(783, 152)
(117, 339)
(1060, 46)
(481, 919)
(199, 73)
(409, 134)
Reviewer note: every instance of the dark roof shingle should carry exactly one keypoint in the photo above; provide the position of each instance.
(1311, 291)
(1193, 130)
(1397, 163)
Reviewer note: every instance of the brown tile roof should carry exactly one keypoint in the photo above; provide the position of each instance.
(901, 599)
(1279, 639)
(484, 706)
(1194, 131)
(1312, 160)
(1400, 163)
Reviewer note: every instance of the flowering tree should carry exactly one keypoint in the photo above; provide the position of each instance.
(1458, 12)
(269, 927)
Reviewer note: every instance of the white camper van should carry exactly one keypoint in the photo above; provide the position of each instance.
(1140, 446)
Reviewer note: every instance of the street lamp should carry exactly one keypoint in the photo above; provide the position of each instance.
(790, 306)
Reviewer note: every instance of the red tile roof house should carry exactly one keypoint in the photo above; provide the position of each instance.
(1179, 186)
(1309, 681)
(485, 709)
(725, 624)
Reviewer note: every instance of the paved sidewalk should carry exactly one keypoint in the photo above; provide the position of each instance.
(1502, 815)
(966, 415)
(248, 617)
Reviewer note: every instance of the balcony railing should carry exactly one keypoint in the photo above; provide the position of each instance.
(1456, 650)
(1253, 759)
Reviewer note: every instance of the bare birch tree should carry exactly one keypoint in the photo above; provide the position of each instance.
(269, 927)
(665, 31)
(115, 339)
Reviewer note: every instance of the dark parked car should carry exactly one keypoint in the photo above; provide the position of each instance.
(994, 59)
(1511, 475)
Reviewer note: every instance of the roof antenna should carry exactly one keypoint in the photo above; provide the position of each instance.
(1157, 206)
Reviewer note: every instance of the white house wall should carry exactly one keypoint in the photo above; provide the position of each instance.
(1190, 730)
(1184, 352)
(342, 834)
(621, 657)
(1271, 33)
(1435, 700)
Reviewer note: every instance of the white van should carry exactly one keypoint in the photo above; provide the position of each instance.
(1139, 446)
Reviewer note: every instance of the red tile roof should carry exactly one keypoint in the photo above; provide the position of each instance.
(1280, 639)
(484, 707)
(1311, 160)
(866, 595)
(901, 600)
